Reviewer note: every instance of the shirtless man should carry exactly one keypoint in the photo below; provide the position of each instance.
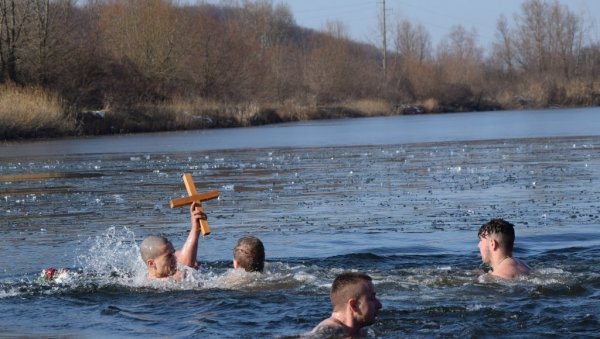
(160, 256)
(354, 306)
(496, 239)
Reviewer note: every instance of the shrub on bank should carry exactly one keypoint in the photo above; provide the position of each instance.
(550, 93)
(370, 107)
(177, 114)
(430, 105)
(197, 113)
(30, 112)
(34, 112)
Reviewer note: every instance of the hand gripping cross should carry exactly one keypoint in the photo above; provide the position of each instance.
(194, 197)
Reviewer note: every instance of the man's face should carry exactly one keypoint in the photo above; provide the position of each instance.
(484, 249)
(368, 304)
(166, 263)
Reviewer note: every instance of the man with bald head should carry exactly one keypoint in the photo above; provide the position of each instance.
(160, 256)
(355, 306)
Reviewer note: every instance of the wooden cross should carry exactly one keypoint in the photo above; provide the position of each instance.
(194, 197)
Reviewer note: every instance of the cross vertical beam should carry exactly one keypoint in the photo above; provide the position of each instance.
(194, 197)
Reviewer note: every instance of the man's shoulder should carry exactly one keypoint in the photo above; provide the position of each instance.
(521, 268)
(329, 328)
(515, 269)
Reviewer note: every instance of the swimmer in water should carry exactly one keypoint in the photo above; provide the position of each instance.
(160, 256)
(496, 239)
(249, 254)
(354, 306)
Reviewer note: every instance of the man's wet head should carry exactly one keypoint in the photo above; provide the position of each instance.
(499, 231)
(249, 254)
(354, 292)
(158, 254)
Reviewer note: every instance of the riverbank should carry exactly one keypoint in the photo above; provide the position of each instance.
(103, 69)
(46, 120)
(32, 113)
(201, 115)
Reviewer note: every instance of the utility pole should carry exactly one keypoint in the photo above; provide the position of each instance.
(384, 40)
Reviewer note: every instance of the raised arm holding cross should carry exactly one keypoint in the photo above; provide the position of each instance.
(161, 258)
(158, 252)
(189, 250)
(195, 198)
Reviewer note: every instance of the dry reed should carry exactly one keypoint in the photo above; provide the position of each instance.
(430, 105)
(369, 107)
(32, 112)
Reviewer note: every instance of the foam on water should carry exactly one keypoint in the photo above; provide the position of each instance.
(112, 260)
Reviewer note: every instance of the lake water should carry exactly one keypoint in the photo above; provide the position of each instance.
(400, 198)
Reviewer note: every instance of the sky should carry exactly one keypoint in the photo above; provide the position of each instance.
(361, 17)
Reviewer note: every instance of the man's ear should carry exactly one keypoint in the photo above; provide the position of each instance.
(493, 244)
(236, 264)
(352, 304)
(150, 263)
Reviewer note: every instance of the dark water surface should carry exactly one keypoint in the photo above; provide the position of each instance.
(400, 198)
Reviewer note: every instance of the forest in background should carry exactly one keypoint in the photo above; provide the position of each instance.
(117, 66)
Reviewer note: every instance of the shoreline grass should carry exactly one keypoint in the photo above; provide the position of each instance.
(32, 112)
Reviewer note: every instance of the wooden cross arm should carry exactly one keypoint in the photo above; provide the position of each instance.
(178, 202)
(194, 197)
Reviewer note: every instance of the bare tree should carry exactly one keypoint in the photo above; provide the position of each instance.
(459, 56)
(144, 32)
(271, 27)
(50, 35)
(412, 41)
(566, 39)
(407, 69)
(548, 38)
(14, 16)
(265, 23)
(503, 49)
(327, 67)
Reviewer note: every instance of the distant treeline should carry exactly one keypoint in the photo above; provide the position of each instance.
(113, 66)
